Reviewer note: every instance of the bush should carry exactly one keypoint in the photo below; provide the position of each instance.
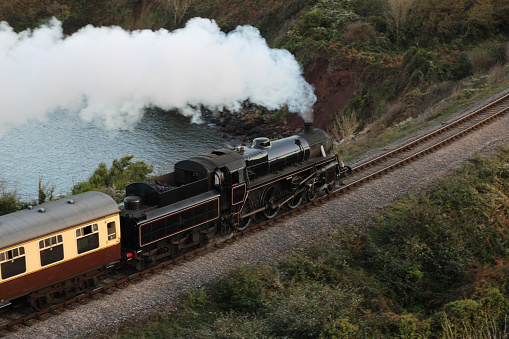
(246, 288)
(304, 311)
(9, 200)
(305, 267)
(328, 261)
(196, 298)
(487, 55)
(340, 328)
(121, 173)
(233, 325)
(359, 32)
(422, 248)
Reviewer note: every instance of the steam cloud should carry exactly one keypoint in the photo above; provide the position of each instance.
(110, 75)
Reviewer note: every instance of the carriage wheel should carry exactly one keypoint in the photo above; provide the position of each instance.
(269, 200)
(42, 302)
(247, 221)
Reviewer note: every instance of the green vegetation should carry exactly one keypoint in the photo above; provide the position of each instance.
(113, 181)
(434, 265)
(9, 200)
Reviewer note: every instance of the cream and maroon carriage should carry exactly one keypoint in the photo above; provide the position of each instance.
(58, 248)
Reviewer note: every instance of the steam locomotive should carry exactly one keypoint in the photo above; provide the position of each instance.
(63, 247)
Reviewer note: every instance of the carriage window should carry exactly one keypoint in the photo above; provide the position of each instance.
(112, 231)
(87, 238)
(51, 249)
(12, 262)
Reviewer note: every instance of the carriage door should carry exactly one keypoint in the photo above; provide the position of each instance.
(238, 186)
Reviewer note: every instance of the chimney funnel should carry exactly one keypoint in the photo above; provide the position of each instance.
(308, 127)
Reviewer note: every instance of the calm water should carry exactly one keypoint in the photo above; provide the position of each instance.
(65, 150)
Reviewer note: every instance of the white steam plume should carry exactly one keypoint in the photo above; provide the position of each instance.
(110, 75)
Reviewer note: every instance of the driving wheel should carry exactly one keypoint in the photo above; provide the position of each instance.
(269, 200)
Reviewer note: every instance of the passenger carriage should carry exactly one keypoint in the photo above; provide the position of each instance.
(58, 248)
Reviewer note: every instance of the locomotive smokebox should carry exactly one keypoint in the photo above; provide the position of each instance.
(309, 126)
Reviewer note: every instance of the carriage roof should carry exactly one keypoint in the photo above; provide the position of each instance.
(55, 216)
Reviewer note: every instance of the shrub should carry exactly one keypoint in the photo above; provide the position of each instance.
(303, 311)
(359, 32)
(233, 325)
(487, 55)
(415, 254)
(196, 298)
(341, 328)
(314, 19)
(423, 246)
(246, 288)
(9, 200)
(121, 173)
(323, 263)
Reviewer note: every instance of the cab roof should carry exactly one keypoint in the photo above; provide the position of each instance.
(207, 163)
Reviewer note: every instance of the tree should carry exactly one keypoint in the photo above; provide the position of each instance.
(439, 21)
(481, 19)
(397, 16)
(179, 9)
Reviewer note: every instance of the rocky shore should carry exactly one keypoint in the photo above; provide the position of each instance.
(254, 121)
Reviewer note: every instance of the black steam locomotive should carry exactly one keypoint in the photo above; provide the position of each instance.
(225, 191)
(65, 246)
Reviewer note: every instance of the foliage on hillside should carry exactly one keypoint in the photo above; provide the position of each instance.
(434, 265)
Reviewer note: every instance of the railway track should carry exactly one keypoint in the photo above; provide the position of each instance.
(16, 316)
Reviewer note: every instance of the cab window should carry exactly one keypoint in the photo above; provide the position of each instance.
(237, 177)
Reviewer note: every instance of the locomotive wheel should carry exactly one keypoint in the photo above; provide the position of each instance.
(296, 200)
(248, 221)
(269, 200)
(330, 188)
(311, 192)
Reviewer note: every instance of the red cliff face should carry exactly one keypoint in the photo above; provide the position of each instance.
(333, 89)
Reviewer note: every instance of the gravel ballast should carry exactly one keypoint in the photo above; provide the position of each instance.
(160, 292)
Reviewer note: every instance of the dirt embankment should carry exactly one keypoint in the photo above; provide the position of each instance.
(333, 89)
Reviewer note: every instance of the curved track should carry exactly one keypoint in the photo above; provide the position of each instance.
(15, 315)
